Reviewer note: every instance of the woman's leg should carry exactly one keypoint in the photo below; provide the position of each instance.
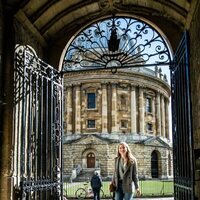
(128, 196)
(119, 195)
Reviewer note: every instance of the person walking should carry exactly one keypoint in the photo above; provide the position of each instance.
(96, 184)
(125, 173)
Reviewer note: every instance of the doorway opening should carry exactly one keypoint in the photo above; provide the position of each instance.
(91, 160)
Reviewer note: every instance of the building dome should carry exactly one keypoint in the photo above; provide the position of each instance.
(104, 108)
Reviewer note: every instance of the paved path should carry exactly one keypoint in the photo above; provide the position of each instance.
(158, 198)
(135, 198)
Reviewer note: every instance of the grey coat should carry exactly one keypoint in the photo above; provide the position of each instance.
(130, 176)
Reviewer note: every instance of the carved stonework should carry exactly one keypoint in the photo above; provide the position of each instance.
(24, 37)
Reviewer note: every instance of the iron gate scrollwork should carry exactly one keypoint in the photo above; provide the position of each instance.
(38, 127)
(182, 124)
(116, 42)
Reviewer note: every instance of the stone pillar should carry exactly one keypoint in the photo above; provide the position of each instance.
(68, 109)
(162, 116)
(104, 109)
(167, 118)
(141, 111)
(77, 109)
(114, 108)
(8, 168)
(153, 112)
(158, 118)
(133, 110)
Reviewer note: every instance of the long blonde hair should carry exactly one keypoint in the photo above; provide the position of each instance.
(129, 155)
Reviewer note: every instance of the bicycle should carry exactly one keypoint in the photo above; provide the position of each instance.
(86, 192)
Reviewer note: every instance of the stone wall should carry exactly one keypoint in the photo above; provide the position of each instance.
(75, 155)
(25, 37)
(195, 87)
(119, 98)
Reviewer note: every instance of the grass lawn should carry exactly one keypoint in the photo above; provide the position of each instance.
(147, 187)
(156, 188)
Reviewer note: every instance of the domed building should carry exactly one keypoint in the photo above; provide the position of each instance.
(103, 108)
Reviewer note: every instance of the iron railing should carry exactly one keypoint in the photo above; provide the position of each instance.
(149, 188)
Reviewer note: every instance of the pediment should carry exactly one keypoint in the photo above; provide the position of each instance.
(91, 139)
(157, 141)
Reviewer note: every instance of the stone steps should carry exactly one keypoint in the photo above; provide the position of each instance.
(85, 175)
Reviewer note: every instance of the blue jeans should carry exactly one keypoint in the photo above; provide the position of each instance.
(120, 195)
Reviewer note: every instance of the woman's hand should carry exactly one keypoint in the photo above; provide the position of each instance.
(138, 193)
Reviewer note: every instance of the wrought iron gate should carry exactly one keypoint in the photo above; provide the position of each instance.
(181, 124)
(38, 127)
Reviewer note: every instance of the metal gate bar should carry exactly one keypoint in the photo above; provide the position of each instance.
(181, 124)
(38, 127)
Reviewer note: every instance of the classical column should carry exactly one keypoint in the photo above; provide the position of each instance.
(141, 110)
(162, 116)
(114, 108)
(104, 109)
(153, 112)
(167, 118)
(158, 122)
(68, 109)
(133, 110)
(77, 109)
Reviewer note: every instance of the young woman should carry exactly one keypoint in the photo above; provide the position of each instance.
(125, 173)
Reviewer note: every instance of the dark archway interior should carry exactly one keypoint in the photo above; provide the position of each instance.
(48, 25)
(54, 23)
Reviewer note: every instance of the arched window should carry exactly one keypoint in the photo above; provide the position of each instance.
(114, 43)
(148, 105)
(154, 164)
(149, 127)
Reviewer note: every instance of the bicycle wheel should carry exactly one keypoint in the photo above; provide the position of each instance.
(80, 193)
(101, 193)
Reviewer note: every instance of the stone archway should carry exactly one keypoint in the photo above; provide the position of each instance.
(181, 12)
(109, 44)
(89, 158)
